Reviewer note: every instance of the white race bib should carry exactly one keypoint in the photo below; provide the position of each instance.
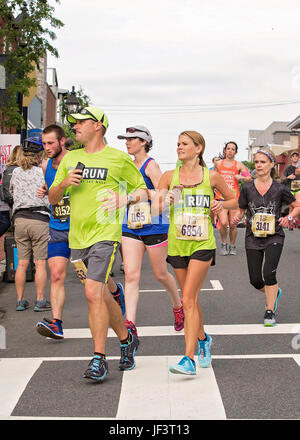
(139, 215)
(295, 185)
(263, 225)
(192, 227)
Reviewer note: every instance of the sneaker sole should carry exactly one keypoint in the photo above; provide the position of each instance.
(269, 324)
(45, 331)
(177, 370)
(179, 329)
(38, 309)
(96, 379)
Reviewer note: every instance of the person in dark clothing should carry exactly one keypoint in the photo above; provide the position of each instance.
(263, 199)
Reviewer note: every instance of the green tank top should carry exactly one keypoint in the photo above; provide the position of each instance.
(190, 223)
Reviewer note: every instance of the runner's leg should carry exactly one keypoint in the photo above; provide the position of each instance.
(133, 252)
(193, 321)
(58, 270)
(158, 255)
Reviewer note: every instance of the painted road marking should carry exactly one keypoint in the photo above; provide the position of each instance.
(161, 398)
(139, 398)
(236, 329)
(216, 285)
(14, 377)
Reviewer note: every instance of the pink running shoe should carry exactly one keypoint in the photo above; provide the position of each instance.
(130, 326)
(179, 319)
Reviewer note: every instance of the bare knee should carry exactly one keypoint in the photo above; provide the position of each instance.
(57, 277)
(132, 277)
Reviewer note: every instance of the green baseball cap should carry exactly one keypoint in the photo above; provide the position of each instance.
(94, 113)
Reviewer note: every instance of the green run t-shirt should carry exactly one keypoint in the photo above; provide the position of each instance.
(190, 227)
(106, 169)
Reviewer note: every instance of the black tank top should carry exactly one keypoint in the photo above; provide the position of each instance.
(271, 203)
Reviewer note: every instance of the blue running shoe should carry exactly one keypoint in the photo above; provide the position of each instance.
(97, 369)
(204, 356)
(119, 298)
(128, 351)
(278, 296)
(50, 329)
(185, 366)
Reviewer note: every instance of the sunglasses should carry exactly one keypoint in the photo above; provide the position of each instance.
(134, 130)
(84, 111)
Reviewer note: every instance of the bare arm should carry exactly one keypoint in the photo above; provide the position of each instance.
(56, 193)
(244, 173)
(154, 173)
(218, 182)
(163, 196)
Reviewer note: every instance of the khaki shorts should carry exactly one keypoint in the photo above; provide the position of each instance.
(31, 237)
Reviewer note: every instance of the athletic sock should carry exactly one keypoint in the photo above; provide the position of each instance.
(128, 340)
(117, 292)
(99, 354)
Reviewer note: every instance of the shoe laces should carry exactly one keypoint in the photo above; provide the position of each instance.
(95, 363)
(203, 348)
(178, 314)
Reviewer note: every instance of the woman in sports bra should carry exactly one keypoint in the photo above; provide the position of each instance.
(188, 191)
(140, 232)
(232, 171)
(263, 199)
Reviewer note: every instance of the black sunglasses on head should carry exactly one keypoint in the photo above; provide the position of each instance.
(84, 111)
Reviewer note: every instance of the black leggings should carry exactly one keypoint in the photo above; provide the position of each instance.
(262, 272)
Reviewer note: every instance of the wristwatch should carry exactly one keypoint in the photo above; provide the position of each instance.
(130, 198)
(290, 218)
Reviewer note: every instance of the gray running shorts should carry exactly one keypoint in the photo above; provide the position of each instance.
(98, 259)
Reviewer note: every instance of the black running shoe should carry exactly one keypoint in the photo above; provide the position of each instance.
(128, 351)
(97, 369)
(269, 318)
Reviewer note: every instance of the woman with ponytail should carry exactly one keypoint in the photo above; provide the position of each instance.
(263, 200)
(188, 192)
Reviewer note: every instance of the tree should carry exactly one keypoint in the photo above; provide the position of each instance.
(24, 39)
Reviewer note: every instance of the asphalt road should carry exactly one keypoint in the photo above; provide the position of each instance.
(255, 371)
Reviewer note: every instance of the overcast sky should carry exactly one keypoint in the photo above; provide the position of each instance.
(175, 65)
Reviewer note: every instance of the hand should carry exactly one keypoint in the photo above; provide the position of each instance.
(42, 192)
(235, 220)
(291, 176)
(73, 178)
(284, 221)
(216, 206)
(169, 199)
(113, 201)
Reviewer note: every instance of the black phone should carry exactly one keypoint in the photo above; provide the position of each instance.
(80, 166)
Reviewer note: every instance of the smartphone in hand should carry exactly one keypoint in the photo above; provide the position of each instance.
(80, 166)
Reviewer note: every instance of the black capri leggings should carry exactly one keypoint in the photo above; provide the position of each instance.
(262, 265)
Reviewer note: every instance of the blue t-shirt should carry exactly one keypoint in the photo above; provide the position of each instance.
(54, 222)
(160, 224)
